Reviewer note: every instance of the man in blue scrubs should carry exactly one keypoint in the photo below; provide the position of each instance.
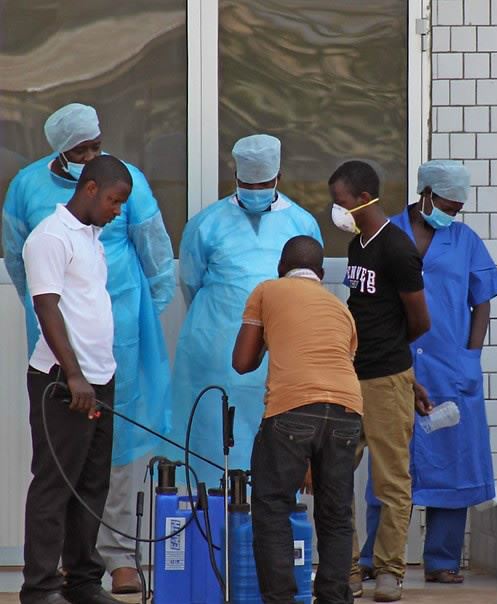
(451, 468)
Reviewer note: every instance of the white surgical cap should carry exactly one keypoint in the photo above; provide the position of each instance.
(71, 125)
(446, 178)
(257, 158)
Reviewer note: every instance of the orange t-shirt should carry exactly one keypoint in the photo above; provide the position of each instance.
(311, 339)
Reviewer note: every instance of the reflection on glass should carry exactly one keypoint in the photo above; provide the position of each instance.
(327, 78)
(126, 58)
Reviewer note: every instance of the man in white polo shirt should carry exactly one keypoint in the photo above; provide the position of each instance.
(66, 274)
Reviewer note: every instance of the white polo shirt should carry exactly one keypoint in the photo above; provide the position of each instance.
(64, 256)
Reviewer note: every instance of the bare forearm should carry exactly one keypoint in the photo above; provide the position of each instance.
(479, 325)
(417, 324)
(249, 349)
(252, 365)
(416, 311)
(416, 331)
(54, 329)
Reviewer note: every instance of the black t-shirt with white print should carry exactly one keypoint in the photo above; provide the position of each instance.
(389, 263)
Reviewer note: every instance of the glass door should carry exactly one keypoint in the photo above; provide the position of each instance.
(330, 80)
(127, 59)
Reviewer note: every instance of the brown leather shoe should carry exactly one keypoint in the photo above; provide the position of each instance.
(125, 580)
(444, 576)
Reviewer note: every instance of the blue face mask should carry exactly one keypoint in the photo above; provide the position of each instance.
(72, 168)
(437, 219)
(256, 201)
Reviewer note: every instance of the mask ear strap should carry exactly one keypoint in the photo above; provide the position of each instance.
(422, 211)
(431, 201)
(65, 163)
(365, 205)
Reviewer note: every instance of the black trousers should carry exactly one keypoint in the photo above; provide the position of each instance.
(56, 524)
(326, 435)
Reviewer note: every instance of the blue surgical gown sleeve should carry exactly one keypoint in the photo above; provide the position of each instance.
(149, 236)
(193, 258)
(14, 234)
(316, 232)
(482, 274)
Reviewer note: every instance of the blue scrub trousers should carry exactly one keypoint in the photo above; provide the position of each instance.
(372, 522)
(443, 542)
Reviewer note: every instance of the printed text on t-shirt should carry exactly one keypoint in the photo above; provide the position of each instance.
(361, 278)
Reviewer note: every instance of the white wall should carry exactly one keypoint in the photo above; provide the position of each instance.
(15, 445)
(464, 115)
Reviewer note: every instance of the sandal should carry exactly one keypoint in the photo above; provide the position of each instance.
(444, 576)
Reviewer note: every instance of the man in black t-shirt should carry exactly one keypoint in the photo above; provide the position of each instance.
(379, 272)
(387, 301)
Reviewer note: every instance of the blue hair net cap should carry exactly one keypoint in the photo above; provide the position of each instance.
(446, 178)
(257, 158)
(71, 125)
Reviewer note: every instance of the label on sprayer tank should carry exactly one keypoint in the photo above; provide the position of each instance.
(298, 552)
(175, 546)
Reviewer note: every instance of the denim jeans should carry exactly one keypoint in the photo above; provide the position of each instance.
(326, 435)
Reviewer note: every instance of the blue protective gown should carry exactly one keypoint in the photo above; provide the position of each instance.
(140, 282)
(452, 468)
(225, 252)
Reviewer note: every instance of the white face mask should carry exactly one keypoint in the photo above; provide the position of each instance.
(343, 218)
(72, 168)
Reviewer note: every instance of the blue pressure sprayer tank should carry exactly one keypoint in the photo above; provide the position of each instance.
(302, 550)
(182, 570)
(205, 587)
(244, 587)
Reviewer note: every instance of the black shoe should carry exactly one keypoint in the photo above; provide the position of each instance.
(89, 596)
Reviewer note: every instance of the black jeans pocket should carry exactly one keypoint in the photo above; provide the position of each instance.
(296, 431)
(347, 438)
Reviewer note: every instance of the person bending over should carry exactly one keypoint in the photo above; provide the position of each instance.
(312, 414)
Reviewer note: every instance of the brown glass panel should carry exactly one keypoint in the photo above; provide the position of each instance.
(126, 58)
(329, 78)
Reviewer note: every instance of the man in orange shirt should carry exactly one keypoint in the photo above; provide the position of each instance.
(313, 408)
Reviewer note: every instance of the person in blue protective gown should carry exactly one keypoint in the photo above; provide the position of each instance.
(141, 283)
(452, 467)
(226, 250)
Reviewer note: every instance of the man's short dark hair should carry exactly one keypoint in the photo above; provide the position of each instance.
(105, 170)
(358, 176)
(302, 252)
